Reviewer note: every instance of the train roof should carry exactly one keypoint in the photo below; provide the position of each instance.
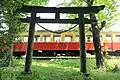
(75, 31)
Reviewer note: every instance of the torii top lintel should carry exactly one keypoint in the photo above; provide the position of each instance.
(72, 10)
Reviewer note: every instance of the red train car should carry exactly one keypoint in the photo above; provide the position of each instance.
(63, 48)
(51, 44)
(51, 48)
(113, 48)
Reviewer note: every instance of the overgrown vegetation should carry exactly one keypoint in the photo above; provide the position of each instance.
(106, 18)
(14, 25)
(58, 69)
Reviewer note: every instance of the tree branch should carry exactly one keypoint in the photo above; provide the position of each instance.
(103, 23)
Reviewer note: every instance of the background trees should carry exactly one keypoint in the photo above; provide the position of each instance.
(14, 26)
(106, 18)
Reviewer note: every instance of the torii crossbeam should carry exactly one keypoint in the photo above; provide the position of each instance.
(58, 10)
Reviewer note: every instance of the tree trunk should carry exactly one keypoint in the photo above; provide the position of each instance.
(97, 47)
(96, 39)
(9, 59)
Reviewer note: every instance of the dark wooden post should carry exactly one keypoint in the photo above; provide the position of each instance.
(28, 62)
(82, 43)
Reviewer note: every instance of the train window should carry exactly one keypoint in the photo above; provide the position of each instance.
(108, 37)
(57, 38)
(89, 38)
(77, 38)
(36, 39)
(46, 38)
(17, 38)
(118, 37)
(25, 38)
(68, 38)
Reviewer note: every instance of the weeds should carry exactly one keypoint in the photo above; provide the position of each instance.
(58, 69)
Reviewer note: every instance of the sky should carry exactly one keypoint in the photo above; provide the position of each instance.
(116, 27)
(52, 3)
(54, 26)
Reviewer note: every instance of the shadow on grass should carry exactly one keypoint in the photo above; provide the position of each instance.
(54, 73)
(41, 73)
(24, 78)
(56, 70)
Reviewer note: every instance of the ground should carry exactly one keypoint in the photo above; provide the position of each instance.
(59, 69)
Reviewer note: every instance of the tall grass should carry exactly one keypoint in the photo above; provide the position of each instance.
(58, 69)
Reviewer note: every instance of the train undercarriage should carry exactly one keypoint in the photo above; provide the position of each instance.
(58, 53)
(49, 53)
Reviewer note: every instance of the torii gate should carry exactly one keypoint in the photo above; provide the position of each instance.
(57, 10)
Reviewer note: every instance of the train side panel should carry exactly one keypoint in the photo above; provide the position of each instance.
(20, 48)
(50, 46)
(56, 46)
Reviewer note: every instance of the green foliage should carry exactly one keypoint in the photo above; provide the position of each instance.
(13, 28)
(14, 25)
(36, 2)
(12, 17)
(57, 69)
(109, 14)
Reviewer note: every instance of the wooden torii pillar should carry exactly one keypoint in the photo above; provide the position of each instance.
(70, 10)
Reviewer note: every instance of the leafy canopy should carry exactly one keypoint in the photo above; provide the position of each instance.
(14, 26)
(11, 16)
(109, 14)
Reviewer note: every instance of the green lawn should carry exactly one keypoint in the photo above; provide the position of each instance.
(59, 69)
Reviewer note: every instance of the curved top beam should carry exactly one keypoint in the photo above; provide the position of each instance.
(72, 10)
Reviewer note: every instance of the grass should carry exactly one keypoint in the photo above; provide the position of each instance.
(58, 69)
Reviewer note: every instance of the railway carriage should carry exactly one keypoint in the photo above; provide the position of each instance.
(67, 43)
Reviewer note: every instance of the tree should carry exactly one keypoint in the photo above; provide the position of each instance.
(95, 29)
(96, 38)
(105, 18)
(14, 25)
